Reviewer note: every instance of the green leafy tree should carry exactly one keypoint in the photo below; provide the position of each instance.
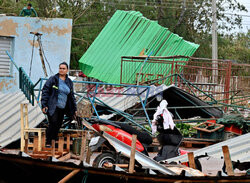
(190, 19)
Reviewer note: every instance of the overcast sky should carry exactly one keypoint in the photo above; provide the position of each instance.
(246, 19)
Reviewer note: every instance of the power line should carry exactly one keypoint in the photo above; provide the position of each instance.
(237, 14)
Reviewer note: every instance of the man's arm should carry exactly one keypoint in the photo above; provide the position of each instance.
(21, 13)
(34, 11)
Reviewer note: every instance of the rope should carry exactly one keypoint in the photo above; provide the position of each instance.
(85, 176)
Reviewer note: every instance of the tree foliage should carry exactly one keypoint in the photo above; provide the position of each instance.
(190, 19)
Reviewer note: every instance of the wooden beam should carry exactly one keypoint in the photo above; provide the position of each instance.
(68, 142)
(53, 149)
(22, 128)
(69, 176)
(66, 157)
(191, 160)
(228, 162)
(83, 145)
(60, 144)
(132, 154)
(26, 146)
(35, 142)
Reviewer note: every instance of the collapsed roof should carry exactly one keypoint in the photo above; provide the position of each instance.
(126, 34)
(190, 105)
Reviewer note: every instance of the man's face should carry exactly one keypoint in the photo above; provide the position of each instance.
(28, 7)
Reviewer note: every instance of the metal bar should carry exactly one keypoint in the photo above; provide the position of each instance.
(116, 110)
(94, 107)
(40, 88)
(179, 107)
(11, 59)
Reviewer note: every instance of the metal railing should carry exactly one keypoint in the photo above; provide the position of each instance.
(230, 85)
(25, 84)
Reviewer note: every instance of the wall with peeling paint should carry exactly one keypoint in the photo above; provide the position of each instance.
(56, 42)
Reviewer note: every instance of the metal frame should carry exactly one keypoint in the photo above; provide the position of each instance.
(91, 95)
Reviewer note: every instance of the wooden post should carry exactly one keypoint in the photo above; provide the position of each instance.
(39, 133)
(26, 116)
(132, 154)
(83, 145)
(26, 148)
(53, 148)
(22, 128)
(35, 144)
(68, 142)
(43, 140)
(228, 162)
(191, 160)
(69, 176)
(89, 153)
(60, 144)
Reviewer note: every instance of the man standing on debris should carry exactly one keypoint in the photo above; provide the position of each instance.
(58, 99)
(27, 11)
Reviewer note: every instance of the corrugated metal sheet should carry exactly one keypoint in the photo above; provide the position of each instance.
(5, 44)
(239, 149)
(10, 116)
(126, 34)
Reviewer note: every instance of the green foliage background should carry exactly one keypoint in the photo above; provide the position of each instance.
(189, 19)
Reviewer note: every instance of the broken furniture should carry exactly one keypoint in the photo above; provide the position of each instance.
(25, 130)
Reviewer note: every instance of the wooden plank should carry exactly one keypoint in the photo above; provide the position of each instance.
(83, 145)
(68, 143)
(35, 142)
(26, 146)
(22, 128)
(132, 154)
(60, 144)
(88, 156)
(26, 116)
(43, 139)
(65, 157)
(53, 149)
(69, 176)
(191, 160)
(228, 162)
(110, 165)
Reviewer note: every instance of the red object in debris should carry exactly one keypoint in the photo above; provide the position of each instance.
(212, 120)
(234, 129)
(182, 152)
(231, 128)
(81, 74)
(119, 134)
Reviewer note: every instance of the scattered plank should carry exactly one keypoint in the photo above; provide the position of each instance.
(132, 154)
(228, 162)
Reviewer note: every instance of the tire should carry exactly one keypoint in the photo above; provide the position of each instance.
(103, 158)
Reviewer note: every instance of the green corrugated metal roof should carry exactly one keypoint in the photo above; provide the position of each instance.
(126, 34)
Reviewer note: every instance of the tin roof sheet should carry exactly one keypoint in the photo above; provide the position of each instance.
(126, 34)
(10, 125)
(238, 147)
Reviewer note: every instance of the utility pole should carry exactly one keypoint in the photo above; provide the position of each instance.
(214, 44)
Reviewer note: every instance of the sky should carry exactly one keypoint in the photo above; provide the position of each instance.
(245, 19)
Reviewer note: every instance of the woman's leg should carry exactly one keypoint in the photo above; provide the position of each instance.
(55, 122)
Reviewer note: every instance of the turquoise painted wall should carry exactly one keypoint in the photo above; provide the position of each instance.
(56, 41)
